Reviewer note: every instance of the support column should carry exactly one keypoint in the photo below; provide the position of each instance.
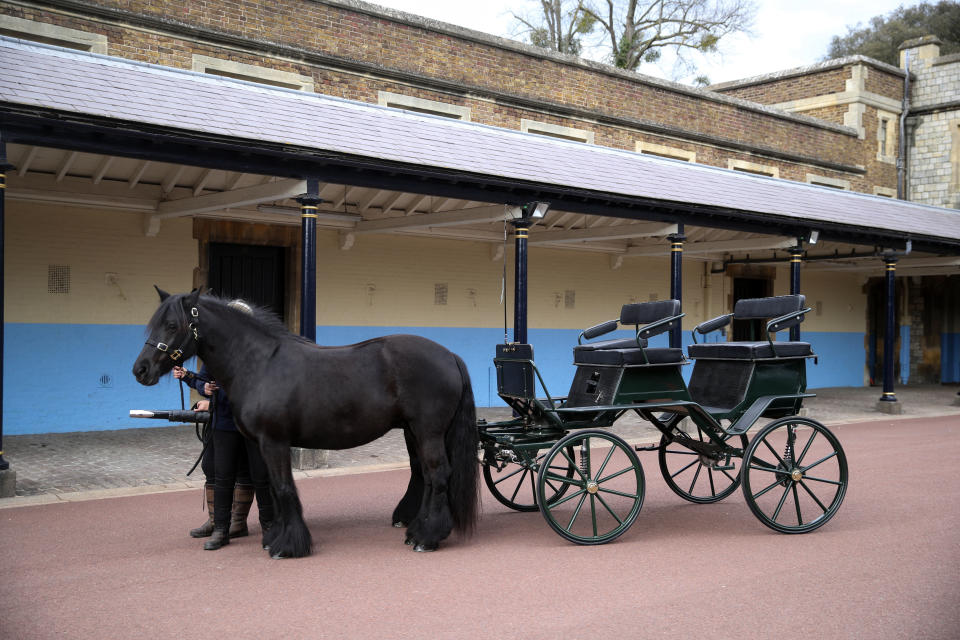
(888, 401)
(796, 260)
(521, 232)
(8, 477)
(308, 244)
(676, 280)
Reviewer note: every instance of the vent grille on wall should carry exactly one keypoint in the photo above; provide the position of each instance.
(58, 278)
(440, 293)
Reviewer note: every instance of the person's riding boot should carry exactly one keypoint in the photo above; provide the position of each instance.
(219, 538)
(204, 530)
(242, 499)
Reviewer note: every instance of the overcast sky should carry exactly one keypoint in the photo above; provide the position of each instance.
(787, 33)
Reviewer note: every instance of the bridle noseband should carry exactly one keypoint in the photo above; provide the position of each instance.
(177, 354)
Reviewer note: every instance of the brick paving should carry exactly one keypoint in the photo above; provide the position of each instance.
(60, 464)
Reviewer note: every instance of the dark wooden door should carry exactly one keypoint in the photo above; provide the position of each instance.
(253, 273)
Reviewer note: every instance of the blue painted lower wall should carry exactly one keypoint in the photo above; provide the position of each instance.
(77, 377)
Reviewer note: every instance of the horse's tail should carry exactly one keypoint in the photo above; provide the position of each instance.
(462, 442)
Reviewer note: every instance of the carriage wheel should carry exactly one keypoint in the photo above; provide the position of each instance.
(696, 477)
(605, 494)
(515, 485)
(794, 475)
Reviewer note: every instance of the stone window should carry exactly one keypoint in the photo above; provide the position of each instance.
(52, 34)
(421, 105)
(252, 73)
(886, 137)
(753, 167)
(648, 148)
(823, 181)
(556, 131)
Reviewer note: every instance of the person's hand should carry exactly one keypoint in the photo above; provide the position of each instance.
(209, 388)
(179, 372)
(203, 405)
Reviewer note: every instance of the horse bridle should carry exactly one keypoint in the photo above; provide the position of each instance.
(177, 354)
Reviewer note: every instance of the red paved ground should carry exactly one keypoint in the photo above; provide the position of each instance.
(887, 566)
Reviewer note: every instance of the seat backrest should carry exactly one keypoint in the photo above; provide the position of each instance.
(647, 312)
(773, 307)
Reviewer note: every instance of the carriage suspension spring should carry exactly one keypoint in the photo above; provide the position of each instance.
(585, 459)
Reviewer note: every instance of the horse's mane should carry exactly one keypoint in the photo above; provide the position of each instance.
(262, 317)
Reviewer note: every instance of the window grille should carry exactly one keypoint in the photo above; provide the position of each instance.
(58, 278)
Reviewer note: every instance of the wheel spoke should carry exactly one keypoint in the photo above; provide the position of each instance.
(812, 495)
(684, 452)
(774, 452)
(605, 461)
(796, 501)
(620, 493)
(510, 475)
(757, 495)
(513, 498)
(576, 511)
(713, 489)
(783, 499)
(564, 479)
(593, 514)
(815, 479)
(821, 460)
(807, 446)
(695, 476)
(573, 464)
(604, 503)
(674, 475)
(568, 498)
(770, 469)
(616, 475)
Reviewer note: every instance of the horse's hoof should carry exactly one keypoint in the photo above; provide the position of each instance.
(278, 556)
(422, 548)
(399, 525)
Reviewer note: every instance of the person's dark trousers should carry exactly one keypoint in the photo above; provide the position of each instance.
(231, 450)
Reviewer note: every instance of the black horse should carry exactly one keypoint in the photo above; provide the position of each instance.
(285, 390)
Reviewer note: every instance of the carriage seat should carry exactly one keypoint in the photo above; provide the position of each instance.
(750, 350)
(782, 312)
(648, 319)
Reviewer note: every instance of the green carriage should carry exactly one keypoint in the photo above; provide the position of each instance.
(557, 456)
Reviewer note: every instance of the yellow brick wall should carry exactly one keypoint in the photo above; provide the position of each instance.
(92, 244)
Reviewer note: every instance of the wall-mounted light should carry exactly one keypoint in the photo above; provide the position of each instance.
(530, 210)
(814, 236)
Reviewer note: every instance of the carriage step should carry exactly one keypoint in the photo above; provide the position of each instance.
(649, 447)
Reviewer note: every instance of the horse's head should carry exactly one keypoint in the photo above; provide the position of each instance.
(171, 337)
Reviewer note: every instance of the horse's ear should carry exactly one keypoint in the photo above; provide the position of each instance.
(190, 300)
(163, 294)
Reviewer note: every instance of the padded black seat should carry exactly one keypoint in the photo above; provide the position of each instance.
(623, 343)
(622, 357)
(749, 350)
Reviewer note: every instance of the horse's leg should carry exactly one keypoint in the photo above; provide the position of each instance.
(407, 509)
(288, 536)
(434, 520)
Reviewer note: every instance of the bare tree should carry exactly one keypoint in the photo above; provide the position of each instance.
(557, 25)
(637, 31)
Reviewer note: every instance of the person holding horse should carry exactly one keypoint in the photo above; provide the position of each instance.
(230, 446)
(243, 491)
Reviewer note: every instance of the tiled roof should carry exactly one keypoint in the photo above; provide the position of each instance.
(57, 79)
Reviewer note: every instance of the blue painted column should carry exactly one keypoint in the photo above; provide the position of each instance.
(676, 280)
(521, 233)
(796, 260)
(888, 339)
(308, 245)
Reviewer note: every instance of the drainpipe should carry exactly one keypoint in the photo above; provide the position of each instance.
(902, 139)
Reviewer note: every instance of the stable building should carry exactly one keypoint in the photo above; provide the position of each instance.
(354, 169)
